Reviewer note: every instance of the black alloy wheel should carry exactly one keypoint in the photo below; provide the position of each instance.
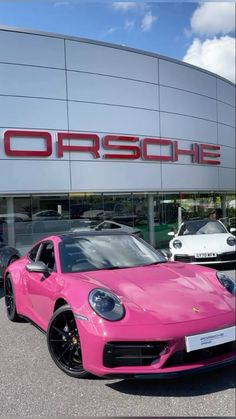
(10, 301)
(64, 343)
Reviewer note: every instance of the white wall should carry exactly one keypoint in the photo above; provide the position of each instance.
(55, 84)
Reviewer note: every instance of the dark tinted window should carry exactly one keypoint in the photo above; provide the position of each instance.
(47, 255)
(33, 253)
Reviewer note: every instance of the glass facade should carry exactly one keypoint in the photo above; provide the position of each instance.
(26, 219)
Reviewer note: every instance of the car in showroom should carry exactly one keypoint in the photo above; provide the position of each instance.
(203, 242)
(109, 225)
(8, 255)
(112, 306)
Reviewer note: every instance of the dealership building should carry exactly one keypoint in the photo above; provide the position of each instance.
(92, 131)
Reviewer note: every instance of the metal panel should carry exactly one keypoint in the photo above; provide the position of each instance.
(186, 78)
(226, 135)
(19, 80)
(226, 114)
(115, 176)
(99, 59)
(192, 178)
(226, 92)
(227, 157)
(178, 101)
(227, 179)
(21, 48)
(32, 113)
(112, 119)
(111, 90)
(34, 176)
(186, 127)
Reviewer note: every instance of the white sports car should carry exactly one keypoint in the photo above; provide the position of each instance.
(203, 242)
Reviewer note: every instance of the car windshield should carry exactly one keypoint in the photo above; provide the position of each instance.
(95, 252)
(201, 227)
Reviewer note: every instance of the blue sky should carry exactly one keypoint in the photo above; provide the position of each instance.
(200, 33)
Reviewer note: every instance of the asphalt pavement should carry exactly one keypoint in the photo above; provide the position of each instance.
(32, 385)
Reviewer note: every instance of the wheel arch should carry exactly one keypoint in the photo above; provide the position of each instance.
(59, 303)
(12, 258)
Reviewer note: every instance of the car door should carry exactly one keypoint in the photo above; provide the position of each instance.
(42, 289)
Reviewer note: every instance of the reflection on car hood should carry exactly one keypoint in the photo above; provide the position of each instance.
(204, 243)
(169, 291)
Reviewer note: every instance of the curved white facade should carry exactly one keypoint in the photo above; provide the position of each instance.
(57, 84)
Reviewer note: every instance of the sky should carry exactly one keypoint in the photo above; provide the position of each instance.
(202, 34)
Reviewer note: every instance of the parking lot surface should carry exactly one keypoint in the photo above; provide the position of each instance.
(31, 385)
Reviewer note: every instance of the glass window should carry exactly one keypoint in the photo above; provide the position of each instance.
(50, 214)
(201, 227)
(105, 252)
(119, 208)
(46, 255)
(33, 253)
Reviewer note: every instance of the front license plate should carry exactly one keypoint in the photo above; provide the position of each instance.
(205, 255)
(206, 340)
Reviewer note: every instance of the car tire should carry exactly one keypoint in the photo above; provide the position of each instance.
(64, 343)
(10, 301)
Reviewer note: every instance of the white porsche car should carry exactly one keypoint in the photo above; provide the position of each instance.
(203, 242)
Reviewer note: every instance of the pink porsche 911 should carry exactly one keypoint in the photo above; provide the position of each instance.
(111, 305)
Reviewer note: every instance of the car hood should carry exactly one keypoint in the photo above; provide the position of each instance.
(169, 292)
(213, 243)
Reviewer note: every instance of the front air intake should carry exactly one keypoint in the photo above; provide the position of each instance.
(129, 354)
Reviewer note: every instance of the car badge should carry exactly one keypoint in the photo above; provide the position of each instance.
(195, 309)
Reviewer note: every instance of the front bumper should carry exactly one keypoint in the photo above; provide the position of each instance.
(165, 356)
(179, 373)
(227, 257)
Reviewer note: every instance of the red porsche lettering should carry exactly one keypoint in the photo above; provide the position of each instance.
(156, 157)
(204, 152)
(193, 152)
(133, 152)
(10, 134)
(93, 148)
(120, 147)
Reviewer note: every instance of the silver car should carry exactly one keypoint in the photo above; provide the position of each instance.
(109, 225)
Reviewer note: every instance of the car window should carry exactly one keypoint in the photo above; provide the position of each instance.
(47, 255)
(106, 226)
(201, 227)
(105, 252)
(33, 253)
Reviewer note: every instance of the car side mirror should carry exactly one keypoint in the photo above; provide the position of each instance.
(171, 233)
(232, 229)
(37, 267)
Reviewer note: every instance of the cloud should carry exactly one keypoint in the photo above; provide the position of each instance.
(214, 18)
(112, 29)
(147, 21)
(216, 55)
(129, 24)
(124, 6)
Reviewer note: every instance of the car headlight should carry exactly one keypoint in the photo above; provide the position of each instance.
(106, 304)
(177, 244)
(227, 282)
(231, 241)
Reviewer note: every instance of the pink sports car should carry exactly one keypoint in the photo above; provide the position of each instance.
(111, 305)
